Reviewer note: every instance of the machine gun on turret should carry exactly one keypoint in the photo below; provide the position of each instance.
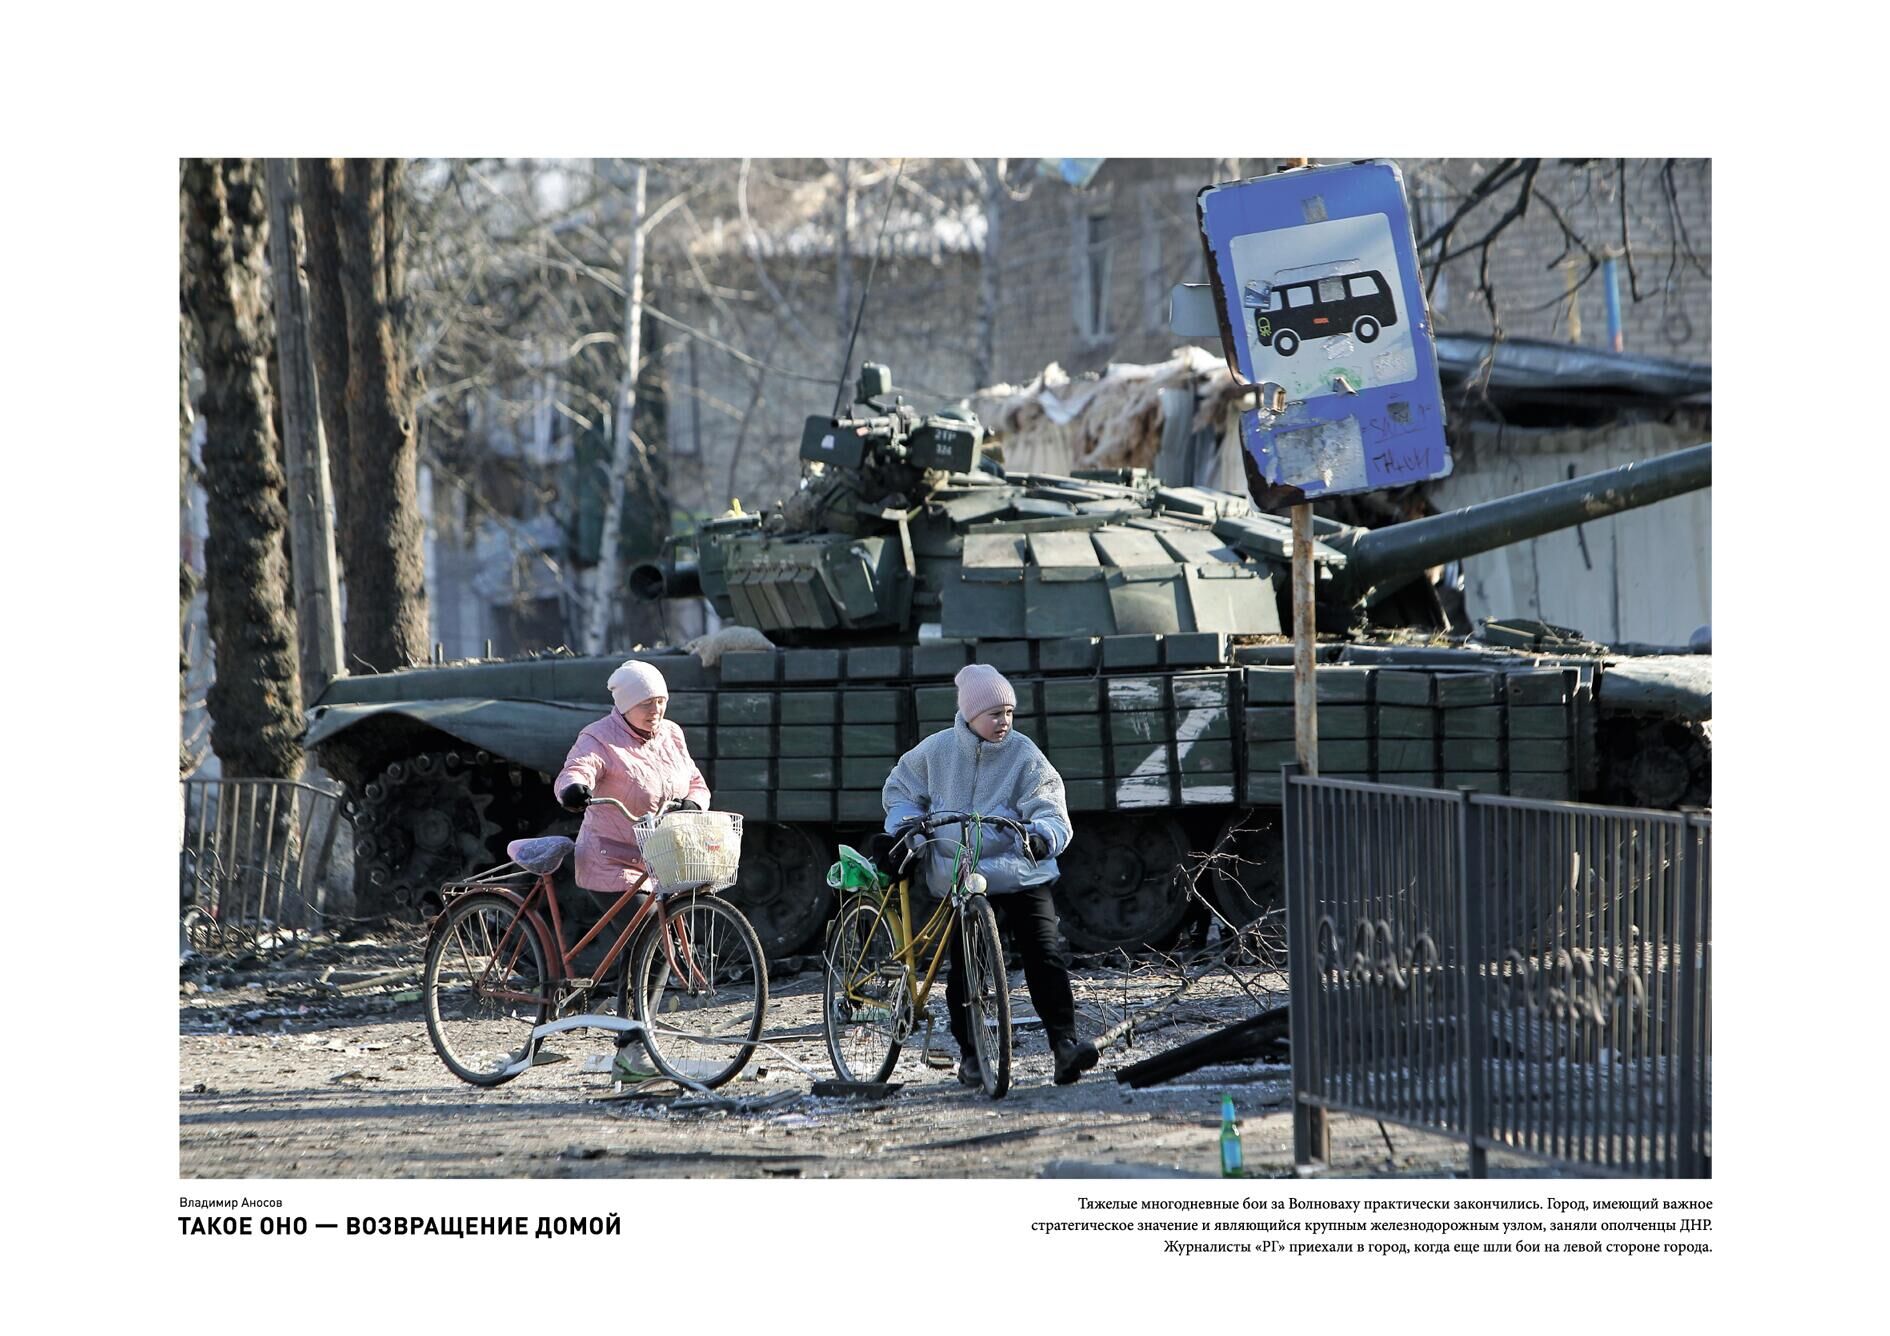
(892, 435)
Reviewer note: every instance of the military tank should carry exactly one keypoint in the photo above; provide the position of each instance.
(1142, 626)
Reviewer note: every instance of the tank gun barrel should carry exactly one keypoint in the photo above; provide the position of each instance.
(1375, 556)
(653, 580)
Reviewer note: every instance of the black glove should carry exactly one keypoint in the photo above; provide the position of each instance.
(685, 805)
(574, 797)
(1038, 845)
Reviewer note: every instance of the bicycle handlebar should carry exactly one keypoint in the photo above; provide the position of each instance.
(925, 825)
(928, 824)
(672, 805)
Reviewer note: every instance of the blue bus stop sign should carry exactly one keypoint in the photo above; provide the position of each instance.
(1315, 279)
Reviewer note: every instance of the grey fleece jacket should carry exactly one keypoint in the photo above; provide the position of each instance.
(955, 770)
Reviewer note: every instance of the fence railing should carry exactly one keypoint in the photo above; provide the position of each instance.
(254, 853)
(1523, 975)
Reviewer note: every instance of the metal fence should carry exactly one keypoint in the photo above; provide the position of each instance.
(1524, 975)
(254, 855)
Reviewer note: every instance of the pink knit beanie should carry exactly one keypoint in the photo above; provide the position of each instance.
(982, 687)
(634, 683)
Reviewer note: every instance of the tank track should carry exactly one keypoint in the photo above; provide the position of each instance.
(426, 819)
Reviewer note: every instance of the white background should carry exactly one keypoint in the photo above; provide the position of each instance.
(99, 106)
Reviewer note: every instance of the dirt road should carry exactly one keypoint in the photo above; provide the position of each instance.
(284, 1074)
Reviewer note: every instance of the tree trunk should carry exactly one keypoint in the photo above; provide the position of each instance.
(310, 496)
(387, 616)
(255, 703)
(320, 183)
(597, 628)
(186, 576)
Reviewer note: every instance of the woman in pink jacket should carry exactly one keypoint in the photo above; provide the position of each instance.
(639, 758)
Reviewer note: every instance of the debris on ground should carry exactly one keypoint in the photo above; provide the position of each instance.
(1261, 1038)
(297, 1078)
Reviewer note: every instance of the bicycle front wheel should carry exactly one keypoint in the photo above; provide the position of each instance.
(866, 995)
(486, 986)
(987, 993)
(700, 987)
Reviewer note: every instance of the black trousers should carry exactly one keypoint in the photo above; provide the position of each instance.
(1029, 918)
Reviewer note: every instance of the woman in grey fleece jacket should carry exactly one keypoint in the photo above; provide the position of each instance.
(981, 764)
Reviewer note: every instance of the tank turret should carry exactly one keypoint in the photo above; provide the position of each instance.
(903, 528)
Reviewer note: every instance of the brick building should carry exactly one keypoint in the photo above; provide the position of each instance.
(1086, 270)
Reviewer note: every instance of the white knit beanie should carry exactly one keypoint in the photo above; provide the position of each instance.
(635, 683)
(982, 687)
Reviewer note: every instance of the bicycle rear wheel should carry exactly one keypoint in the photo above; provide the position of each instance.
(866, 997)
(700, 987)
(486, 986)
(987, 993)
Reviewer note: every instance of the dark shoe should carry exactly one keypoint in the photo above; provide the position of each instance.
(1074, 1057)
(970, 1073)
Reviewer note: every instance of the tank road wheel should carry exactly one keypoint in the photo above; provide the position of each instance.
(1663, 763)
(423, 820)
(1121, 882)
(1247, 869)
(782, 889)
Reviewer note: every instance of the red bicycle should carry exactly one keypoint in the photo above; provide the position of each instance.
(499, 979)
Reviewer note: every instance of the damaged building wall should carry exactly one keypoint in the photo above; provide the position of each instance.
(1645, 575)
(1056, 424)
(1086, 273)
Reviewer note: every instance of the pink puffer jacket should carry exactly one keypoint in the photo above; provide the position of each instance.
(614, 762)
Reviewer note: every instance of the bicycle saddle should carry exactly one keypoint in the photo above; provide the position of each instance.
(543, 856)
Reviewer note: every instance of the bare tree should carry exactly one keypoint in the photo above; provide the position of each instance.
(320, 182)
(521, 285)
(255, 704)
(311, 491)
(186, 575)
(385, 563)
(1592, 206)
(598, 624)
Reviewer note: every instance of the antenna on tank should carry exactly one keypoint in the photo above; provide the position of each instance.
(840, 391)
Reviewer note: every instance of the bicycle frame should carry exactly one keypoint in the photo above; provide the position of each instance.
(504, 957)
(935, 933)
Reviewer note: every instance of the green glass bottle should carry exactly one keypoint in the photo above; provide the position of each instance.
(1231, 1163)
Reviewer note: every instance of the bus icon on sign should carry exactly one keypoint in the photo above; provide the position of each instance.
(1357, 303)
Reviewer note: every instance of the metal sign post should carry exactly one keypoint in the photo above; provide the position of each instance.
(1320, 312)
(1305, 639)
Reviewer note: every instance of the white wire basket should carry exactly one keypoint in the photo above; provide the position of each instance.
(692, 851)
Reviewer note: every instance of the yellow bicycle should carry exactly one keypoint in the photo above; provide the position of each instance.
(880, 970)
